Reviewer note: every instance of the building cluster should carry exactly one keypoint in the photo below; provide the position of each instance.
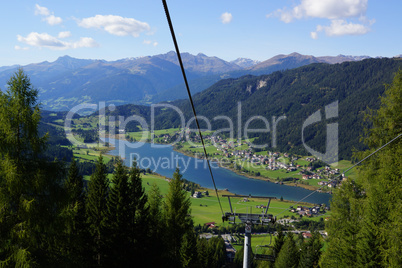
(307, 211)
(273, 161)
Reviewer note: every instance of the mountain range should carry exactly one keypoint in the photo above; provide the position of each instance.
(68, 81)
(297, 94)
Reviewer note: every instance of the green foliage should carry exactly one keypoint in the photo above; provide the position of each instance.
(176, 216)
(75, 238)
(297, 94)
(311, 251)
(138, 216)
(30, 189)
(188, 256)
(19, 117)
(365, 227)
(117, 219)
(96, 209)
(280, 239)
(288, 256)
(47, 219)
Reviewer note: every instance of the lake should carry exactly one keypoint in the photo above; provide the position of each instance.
(163, 159)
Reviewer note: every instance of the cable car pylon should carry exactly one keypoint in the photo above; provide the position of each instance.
(249, 219)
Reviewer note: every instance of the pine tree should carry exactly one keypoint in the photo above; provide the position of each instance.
(203, 254)
(365, 226)
(219, 251)
(117, 219)
(280, 239)
(343, 226)
(177, 217)
(30, 189)
(138, 216)
(188, 254)
(96, 209)
(156, 227)
(288, 257)
(311, 251)
(75, 230)
(380, 239)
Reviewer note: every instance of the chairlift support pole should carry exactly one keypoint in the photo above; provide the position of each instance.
(249, 219)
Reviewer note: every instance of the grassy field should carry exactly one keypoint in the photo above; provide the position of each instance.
(91, 154)
(207, 209)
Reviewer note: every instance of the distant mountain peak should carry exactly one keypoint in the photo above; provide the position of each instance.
(245, 62)
(65, 57)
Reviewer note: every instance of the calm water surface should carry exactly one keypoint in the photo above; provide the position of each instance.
(163, 160)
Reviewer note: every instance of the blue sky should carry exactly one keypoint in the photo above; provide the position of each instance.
(35, 31)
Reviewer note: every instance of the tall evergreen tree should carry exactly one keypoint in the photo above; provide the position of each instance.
(156, 227)
(218, 247)
(117, 219)
(138, 216)
(365, 226)
(96, 209)
(202, 251)
(177, 217)
(188, 253)
(280, 239)
(380, 242)
(30, 189)
(343, 226)
(75, 230)
(288, 257)
(311, 251)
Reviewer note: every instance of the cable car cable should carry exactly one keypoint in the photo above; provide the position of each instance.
(189, 96)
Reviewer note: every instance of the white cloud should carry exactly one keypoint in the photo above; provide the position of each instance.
(337, 11)
(41, 10)
(226, 18)
(155, 44)
(52, 20)
(314, 35)
(115, 25)
(48, 16)
(64, 34)
(328, 9)
(47, 41)
(342, 27)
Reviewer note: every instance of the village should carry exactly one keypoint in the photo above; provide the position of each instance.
(240, 156)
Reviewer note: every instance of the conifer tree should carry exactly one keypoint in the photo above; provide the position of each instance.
(219, 251)
(117, 219)
(311, 251)
(280, 239)
(288, 257)
(380, 239)
(188, 253)
(96, 209)
(30, 189)
(75, 230)
(155, 226)
(177, 217)
(138, 216)
(365, 227)
(203, 254)
(343, 226)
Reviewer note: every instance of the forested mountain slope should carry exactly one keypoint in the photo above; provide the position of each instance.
(296, 94)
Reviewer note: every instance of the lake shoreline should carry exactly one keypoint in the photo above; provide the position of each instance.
(292, 184)
(307, 187)
(241, 191)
